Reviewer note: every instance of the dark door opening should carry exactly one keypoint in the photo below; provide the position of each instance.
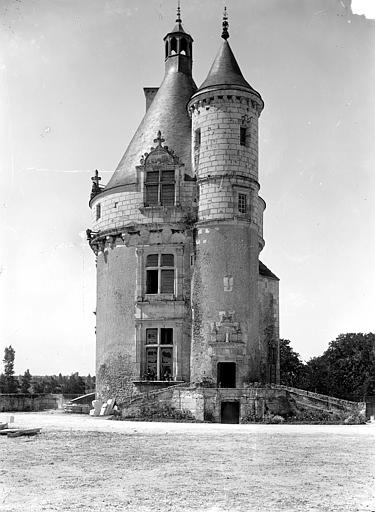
(230, 412)
(226, 375)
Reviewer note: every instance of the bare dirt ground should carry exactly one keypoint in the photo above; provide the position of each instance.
(79, 463)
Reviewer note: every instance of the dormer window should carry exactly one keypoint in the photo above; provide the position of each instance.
(160, 188)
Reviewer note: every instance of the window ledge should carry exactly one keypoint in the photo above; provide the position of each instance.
(158, 382)
(159, 208)
(226, 343)
(159, 297)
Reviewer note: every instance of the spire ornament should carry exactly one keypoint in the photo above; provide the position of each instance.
(159, 140)
(96, 188)
(178, 19)
(225, 33)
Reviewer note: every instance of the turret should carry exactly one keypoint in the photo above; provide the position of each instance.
(142, 240)
(178, 48)
(225, 340)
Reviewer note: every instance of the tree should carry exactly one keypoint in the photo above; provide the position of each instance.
(346, 369)
(291, 366)
(11, 383)
(26, 382)
(2, 383)
(89, 384)
(74, 385)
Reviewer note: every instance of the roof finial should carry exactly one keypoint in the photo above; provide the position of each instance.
(178, 19)
(159, 140)
(225, 33)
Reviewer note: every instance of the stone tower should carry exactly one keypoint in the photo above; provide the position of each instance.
(226, 345)
(177, 231)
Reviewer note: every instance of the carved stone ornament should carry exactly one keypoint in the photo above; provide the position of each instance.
(96, 188)
(159, 154)
(226, 330)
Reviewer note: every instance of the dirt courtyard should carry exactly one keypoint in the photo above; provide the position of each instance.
(79, 463)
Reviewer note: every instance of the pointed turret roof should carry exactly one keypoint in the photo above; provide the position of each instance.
(225, 71)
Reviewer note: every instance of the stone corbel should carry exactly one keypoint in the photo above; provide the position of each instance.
(110, 241)
(101, 245)
(126, 237)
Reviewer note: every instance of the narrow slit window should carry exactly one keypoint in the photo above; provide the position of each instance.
(197, 141)
(98, 211)
(243, 133)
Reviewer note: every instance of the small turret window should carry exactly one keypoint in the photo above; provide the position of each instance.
(242, 203)
(173, 46)
(243, 135)
(183, 46)
(98, 211)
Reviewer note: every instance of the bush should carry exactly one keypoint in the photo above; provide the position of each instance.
(275, 419)
(155, 411)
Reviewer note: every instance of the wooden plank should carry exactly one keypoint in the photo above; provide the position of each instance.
(6, 431)
(25, 432)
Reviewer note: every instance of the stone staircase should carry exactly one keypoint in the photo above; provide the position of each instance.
(316, 401)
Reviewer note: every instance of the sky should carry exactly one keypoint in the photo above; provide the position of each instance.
(71, 79)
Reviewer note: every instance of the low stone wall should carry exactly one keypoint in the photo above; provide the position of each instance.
(204, 404)
(308, 399)
(20, 402)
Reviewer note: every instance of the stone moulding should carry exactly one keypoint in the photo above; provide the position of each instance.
(138, 235)
(244, 97)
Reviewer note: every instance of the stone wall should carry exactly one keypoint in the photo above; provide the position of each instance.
(204, 404)
(115, 329)
(124, 309)
(268, 293)
(20, 402)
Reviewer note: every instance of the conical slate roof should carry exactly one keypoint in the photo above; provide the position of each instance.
(166, 113)
(225, 72)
